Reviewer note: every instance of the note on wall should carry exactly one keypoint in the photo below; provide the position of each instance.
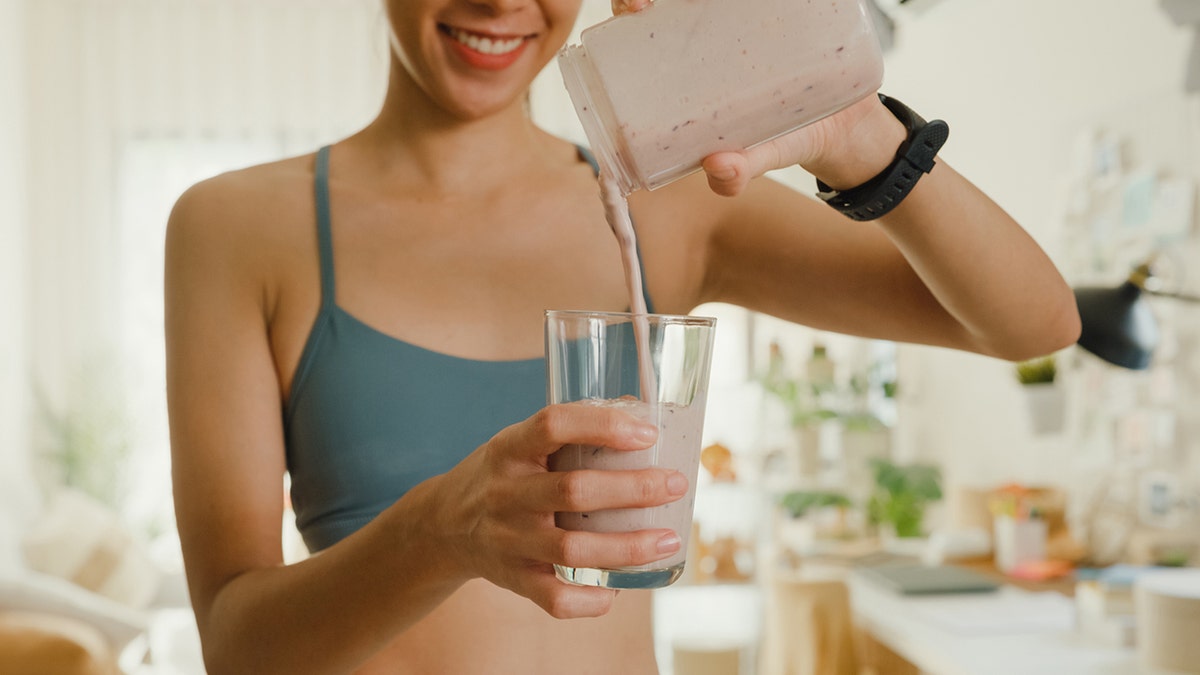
(1173, 210)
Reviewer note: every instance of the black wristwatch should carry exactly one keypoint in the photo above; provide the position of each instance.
(882, 193)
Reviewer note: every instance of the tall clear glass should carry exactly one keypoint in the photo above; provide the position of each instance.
(593, 356)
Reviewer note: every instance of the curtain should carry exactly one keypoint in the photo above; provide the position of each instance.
(126, 103)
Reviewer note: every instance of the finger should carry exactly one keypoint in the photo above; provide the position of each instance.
(609, 549)
(627, 6)
(566, 601)
(576, 423)
(579, 491)
(730, 172)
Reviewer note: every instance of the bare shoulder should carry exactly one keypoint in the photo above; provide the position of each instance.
(236, 242)
(244, 220)
(246, 202)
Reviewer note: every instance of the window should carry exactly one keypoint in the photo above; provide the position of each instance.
(151, 174)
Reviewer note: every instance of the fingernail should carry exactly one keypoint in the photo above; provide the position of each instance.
(724, 173)
(668, 543)
(645, 432)
(677, 484)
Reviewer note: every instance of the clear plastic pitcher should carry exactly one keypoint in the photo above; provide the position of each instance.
(660, 89)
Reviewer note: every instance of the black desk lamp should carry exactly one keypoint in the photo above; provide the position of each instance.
(1118, 325)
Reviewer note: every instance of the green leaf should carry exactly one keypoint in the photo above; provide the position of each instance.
(799, 502)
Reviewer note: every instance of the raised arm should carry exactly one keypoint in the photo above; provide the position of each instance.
(946, 267)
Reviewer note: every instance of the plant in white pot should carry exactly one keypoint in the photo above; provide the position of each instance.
(898, 504)
(813, 516)
(1044, 394)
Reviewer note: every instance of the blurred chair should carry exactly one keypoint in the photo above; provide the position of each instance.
(36, 643)
(809, 628)
(708, 659)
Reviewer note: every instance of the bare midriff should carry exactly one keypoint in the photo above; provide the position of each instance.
(485, 629)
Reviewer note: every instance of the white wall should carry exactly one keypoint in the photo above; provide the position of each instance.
(17, 495)
(108, 79)
(104, 73)
(1018, 81)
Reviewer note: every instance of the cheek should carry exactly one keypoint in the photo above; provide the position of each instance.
(404, 40)
(567, 13)
(561, 17)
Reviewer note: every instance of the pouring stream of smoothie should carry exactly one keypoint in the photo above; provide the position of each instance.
(616, 210)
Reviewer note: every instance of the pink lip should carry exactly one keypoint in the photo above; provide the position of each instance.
(480, 60)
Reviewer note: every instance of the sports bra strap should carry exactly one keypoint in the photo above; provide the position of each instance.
(324, 232)
(325, 235)
(587, 156)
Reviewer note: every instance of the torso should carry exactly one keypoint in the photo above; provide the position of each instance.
(403, 256)
(483, 629)
(400, 257)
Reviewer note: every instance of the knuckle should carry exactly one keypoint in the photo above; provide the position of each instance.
(572, 490)
(570, 549)
(615, 421)
(550, 422)
(635, 551)
(648, 488)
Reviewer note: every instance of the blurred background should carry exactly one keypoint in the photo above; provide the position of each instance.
(1080, 117)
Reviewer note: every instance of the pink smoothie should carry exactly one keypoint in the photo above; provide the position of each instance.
(660, 89)
(616, 211)
(678, 448)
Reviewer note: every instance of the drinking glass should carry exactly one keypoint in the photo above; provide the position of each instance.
(594, 357)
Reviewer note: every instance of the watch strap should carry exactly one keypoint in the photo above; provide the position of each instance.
(914, 157)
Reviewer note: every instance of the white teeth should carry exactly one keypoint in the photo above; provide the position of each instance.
(485, 45)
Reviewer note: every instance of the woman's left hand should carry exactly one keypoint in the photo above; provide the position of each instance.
(845, 149)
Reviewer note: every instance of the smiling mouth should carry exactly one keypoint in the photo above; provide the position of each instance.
(484, 44)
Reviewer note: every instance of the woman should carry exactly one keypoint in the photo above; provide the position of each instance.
(386, 295)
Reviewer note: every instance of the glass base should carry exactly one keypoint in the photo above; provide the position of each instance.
(622, 579)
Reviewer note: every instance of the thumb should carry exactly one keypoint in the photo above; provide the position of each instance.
(730, 172)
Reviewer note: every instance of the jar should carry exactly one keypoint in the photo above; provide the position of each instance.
(660, 89)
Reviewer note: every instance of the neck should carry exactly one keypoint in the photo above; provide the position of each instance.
(415, 141)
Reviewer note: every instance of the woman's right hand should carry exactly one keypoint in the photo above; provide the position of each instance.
(497, 507)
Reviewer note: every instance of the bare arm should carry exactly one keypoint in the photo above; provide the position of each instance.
(947, 267)
(228, 465)
(491, 517)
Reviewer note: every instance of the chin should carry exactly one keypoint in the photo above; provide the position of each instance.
(469, 108)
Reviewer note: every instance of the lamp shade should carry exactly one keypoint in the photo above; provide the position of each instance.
(1118, 325)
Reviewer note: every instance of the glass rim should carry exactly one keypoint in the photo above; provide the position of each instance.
(674, 319)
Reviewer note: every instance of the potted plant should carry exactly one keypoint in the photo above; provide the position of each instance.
(1044, 396)
(807, 403)
(901, 496)
(798, 503)
(813, 515)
